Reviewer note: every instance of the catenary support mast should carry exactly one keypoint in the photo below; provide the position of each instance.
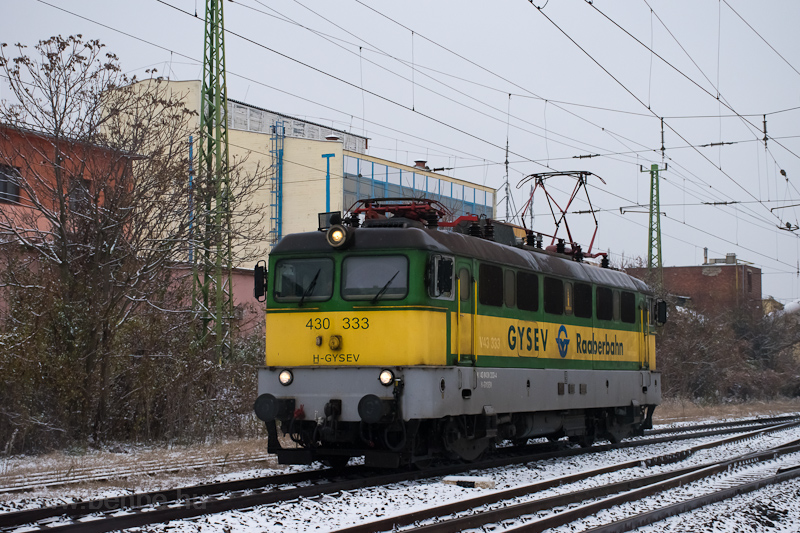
(213, 262)
(654, 231)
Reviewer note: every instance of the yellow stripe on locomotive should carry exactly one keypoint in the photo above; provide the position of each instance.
(357, 337)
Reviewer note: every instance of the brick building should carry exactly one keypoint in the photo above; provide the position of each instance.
(713, 288)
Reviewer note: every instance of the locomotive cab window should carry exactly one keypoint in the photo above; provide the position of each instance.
(303, 280)
(605, 303)
(490, 285)
(527, 291)
(440, 277)
(553, 296)
(583, 300)
(628, 307)
(375, 277)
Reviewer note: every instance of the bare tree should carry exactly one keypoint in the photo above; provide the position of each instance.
(95, 222)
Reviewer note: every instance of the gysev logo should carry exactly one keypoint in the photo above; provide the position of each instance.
(562, 341)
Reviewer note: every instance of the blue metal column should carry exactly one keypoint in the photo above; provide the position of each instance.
(328, 181)
(276, 197)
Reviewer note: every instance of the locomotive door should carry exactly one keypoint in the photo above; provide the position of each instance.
(644, 339)
(465, 314)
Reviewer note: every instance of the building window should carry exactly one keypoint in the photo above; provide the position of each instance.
(9, 184)
(79, 195)
(749, 281)
(527, 291)
(490, 285)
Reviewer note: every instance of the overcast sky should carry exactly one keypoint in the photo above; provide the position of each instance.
(436, 79)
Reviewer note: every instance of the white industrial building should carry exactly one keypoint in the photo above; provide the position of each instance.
(314, 168)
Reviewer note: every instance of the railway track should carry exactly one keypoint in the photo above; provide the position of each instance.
(741, 474)
(89, 474)
(162, 506)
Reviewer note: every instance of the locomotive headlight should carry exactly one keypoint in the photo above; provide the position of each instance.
(337, 236)
(285, 377)
(386, 377)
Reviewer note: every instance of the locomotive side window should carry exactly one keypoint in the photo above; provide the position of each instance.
(528, 291)
(583, 300)
(616, 305)
(628, 307)
(440, 277)
(490, 285)
(375, 277)
(605, 303)
(569, 298)
(303, 280)
(509, 288)
(553, 296)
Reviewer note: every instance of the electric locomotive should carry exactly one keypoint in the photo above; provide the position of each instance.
(394, 338)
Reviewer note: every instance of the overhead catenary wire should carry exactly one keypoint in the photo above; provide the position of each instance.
(624, 87)
(703, 89)
(716, 87)
(411, 80)
(314, 102)
(546, 161)
(256, 80)
(503, 78)
(352, 85)
(448, 86)
(760, 36)
(458, 55)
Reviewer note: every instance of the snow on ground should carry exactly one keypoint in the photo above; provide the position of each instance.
(775, 509)
(337, 511)
(778, 505)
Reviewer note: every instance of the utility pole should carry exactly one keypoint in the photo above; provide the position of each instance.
(508, 189)
(654, 232)
(213, 295)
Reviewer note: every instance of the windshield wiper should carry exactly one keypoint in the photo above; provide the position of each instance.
(310, 288)
(380, 292)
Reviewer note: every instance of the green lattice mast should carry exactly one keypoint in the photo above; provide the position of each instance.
(654, 232)
(212, 272)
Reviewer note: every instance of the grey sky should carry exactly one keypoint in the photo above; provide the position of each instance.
(509, 46)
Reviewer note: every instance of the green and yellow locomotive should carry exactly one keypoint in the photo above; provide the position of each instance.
(400, 341)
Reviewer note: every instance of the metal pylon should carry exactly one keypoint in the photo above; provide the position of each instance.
(213, 262)
(654, 232)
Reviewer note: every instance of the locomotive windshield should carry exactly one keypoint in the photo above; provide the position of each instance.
(375, 278)
(303, 280)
